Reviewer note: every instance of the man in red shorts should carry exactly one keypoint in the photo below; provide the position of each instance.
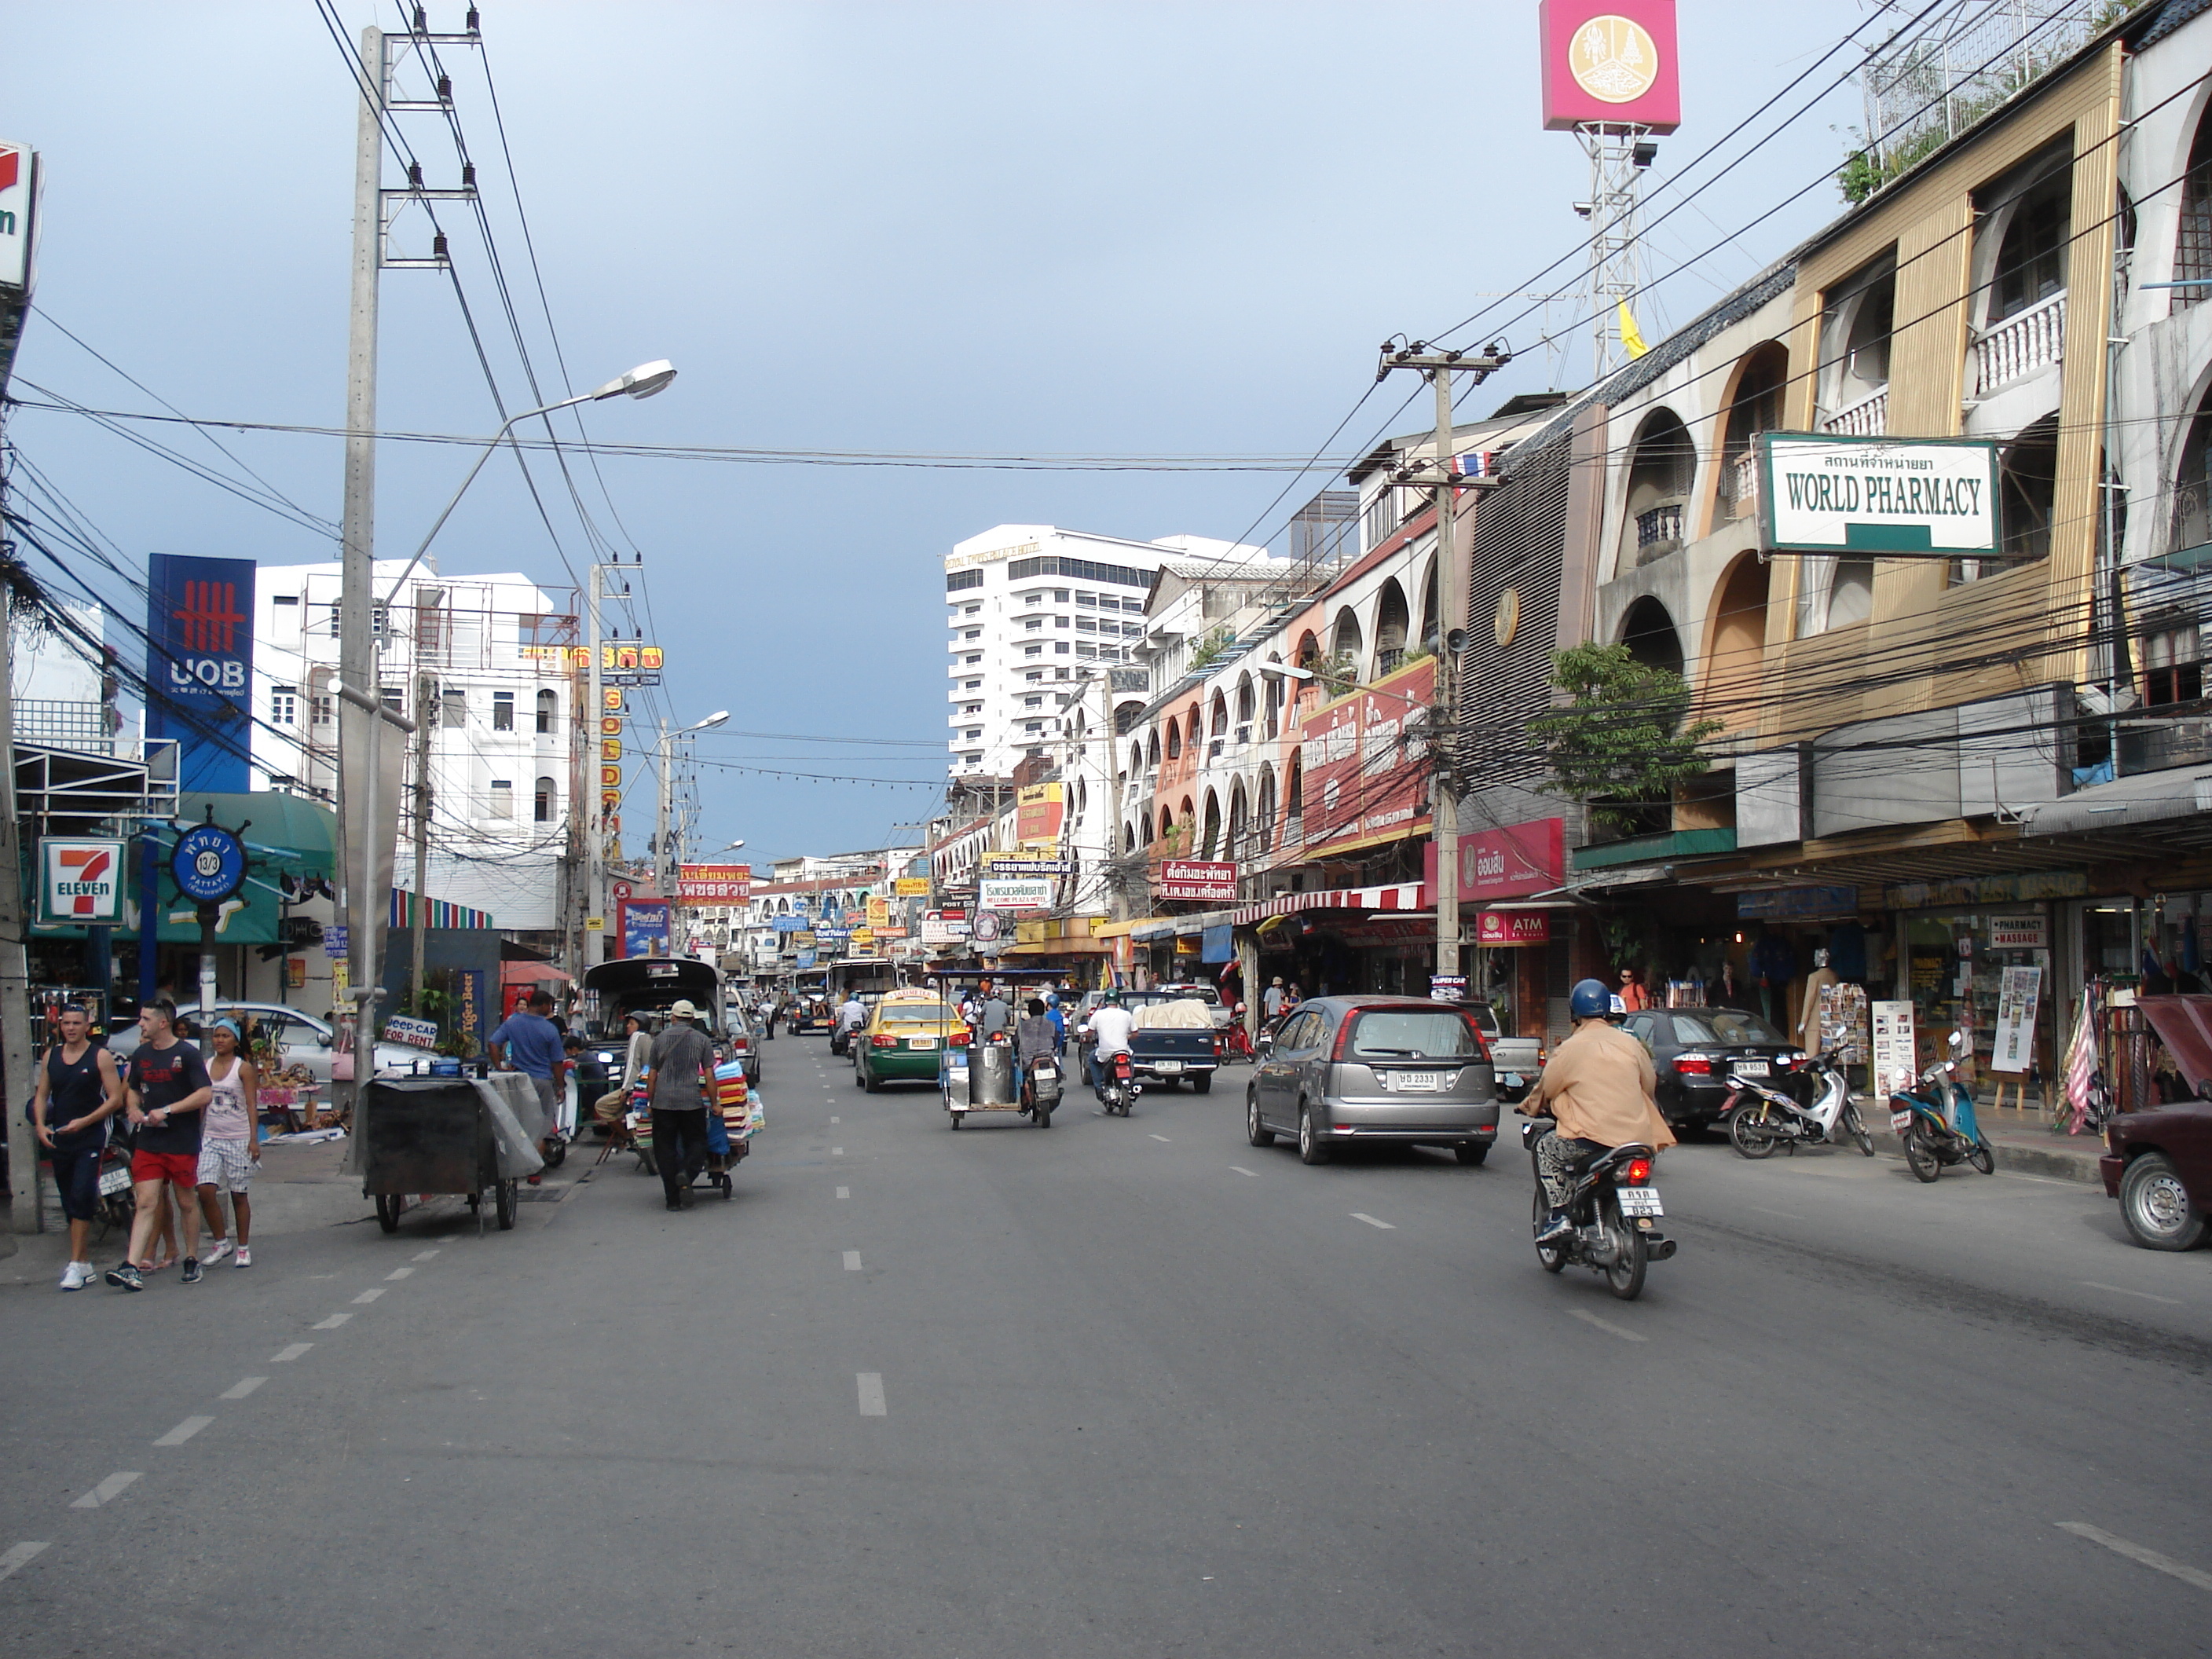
(165, 1087)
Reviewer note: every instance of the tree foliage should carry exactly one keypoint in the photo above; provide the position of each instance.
(1620, 741)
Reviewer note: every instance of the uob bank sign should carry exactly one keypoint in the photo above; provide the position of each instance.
(199, 666)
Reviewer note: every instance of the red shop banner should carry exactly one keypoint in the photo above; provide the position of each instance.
(1510, 863)
(1361, 780)
(1513, 928)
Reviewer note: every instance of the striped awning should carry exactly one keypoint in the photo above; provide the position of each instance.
(438, 914)
(1398, 896)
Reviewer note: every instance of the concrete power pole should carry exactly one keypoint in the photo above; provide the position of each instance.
(16, 1054)
(428, 711)
(1451, 604)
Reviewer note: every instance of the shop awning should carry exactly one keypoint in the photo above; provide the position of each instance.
(1399, 895)
(2184, 1024)
(529, 973)
(2146, 797)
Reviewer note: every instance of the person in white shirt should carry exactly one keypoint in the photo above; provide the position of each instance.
(1271, 1000)
(1110, 1025)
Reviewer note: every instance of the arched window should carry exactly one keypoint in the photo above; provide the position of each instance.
(1221, 722)
(1346, 645)
(1263, 816)
(1175, 740)
(1430, 634)
(1147, 829)
(1239, 821)
(1757, 409)
(1734, 666)
(2027, 485)
(2192, 249)
(1391, 621)
(548, 801)
(1294, 805)
(1309, 652)
(548, 710)
(1649, 634)
(1273, 697)
(1153, 757)
(1244, 705)
(1209, 843)
(1167, 828)
(1661, 465)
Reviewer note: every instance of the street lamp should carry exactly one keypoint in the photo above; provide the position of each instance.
(663, 867)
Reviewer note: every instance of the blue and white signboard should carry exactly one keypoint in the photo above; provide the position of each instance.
(199, 667)
(208, 864)
(804, 959)
(789, 924)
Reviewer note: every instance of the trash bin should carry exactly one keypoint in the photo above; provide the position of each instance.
(991, 1074)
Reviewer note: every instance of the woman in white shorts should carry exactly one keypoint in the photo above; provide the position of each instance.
(229, 1148)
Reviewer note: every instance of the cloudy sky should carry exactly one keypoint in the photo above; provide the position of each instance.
(1103, 229)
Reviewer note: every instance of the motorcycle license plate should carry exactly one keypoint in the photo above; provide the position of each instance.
(1638, 1201)
(922, 1043)
(115, 1180)
(1900, 1121)
(1509, 1080)
(1412, 1082)
(1750, 1068)
(1166, 1066)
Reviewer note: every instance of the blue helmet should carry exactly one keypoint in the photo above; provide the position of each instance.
(1590, 999)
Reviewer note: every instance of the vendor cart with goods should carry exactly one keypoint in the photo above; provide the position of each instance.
(424, 1137)
(733, 1118)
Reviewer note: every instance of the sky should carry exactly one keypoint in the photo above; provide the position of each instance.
(965, 230)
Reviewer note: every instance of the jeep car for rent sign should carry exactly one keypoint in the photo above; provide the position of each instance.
(1887, 496)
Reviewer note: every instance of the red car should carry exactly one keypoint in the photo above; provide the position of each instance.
(2159, 1167)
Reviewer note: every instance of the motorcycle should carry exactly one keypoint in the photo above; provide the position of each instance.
(1761, 1118)
(1934, 1120)
(1239, 1039)
(1121, 1088)
(841, 1040)
(1041, 1089)
(1615, 1212)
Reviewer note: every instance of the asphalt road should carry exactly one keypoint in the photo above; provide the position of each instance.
(1127, 1388)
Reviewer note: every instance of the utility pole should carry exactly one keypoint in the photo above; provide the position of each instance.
(1451, 603)
(593, 807)
(665, 807)
(428, 710)
(16, 1054)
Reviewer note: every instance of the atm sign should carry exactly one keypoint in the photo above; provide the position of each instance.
(1513, 928)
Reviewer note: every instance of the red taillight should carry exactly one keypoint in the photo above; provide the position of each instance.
(1121, 1068)
(958, 1040)
(883, 1042)
(1635, 1172)
(1695, 1065)
(1220, 1045)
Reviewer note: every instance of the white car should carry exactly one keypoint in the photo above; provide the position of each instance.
(304, 1040)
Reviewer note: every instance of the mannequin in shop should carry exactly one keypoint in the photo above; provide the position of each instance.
(1773, 965)
(1809, 1016)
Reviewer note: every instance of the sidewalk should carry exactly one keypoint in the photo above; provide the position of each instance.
(299, 1189)
(2022, 1140)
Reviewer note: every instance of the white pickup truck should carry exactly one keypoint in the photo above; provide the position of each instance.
(1517, 1062)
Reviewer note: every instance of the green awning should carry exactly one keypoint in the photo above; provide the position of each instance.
(285, 832)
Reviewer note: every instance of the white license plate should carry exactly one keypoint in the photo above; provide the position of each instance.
(1750, 1068)
(1415, 1082)
(1509, 1080)
(115, 1180)
(1165, 1066)
(1900, 1121)
(1638, 1200)
(922, 1043)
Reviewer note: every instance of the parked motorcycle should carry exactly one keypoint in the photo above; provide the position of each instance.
(1615, 1210)
(1042, 1089)
(1121, 1088)
(1934, 1118)
(1761, 1118)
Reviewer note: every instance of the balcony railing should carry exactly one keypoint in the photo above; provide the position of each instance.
(1658, 532)
(1740, 486)
(2021, 344)
(1867, 418)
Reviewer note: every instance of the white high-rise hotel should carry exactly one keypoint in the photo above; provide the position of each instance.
(1028, 607)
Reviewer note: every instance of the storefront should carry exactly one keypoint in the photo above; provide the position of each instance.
(1506, 875)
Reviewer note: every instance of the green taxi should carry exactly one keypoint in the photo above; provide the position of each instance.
(905, 1039)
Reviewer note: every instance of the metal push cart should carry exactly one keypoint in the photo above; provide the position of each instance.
(429, 1136)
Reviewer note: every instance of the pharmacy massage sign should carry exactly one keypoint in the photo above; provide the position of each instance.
(1889, 497)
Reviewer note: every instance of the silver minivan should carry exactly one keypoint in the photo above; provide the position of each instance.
(1375, 1068)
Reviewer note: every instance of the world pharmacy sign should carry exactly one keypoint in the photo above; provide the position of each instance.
(1890, 498)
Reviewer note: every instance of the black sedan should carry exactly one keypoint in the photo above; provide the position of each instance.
(1697, 1050)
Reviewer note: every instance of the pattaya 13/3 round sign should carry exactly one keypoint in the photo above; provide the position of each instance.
(208, 864)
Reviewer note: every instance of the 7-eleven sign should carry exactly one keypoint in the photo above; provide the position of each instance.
(80, 882)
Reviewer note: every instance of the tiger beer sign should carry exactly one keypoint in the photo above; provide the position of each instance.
(81, 882)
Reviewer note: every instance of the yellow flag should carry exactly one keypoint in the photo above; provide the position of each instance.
(1632, 337)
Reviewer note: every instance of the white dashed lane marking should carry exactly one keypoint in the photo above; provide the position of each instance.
(2134, 1551)
(836, 1152)
(424, 1256)
(16, 1556)
(184, 1432)
(243, 1387)
(1387, 1226)
(2117, 1290)
(852, 1261)
(836, 1120)
(292, 1353)
(400, 1273)
(106, 1491)
(871, 1394)
(844, 1192)
(1607, 1326)
(331, 1323)
(1163, 1137)
(1241, 1169)
(368, 1295)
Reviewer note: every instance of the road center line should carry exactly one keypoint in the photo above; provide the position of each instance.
(16, 1556)
(844, 1192)
(836, 1120)
(331, 1323)
(2150, 1558)
(2171, 1302)
(1241, 1169)
(836, 1152)
(1387, 1226)
(397, 1273)
(293, 1351)
(424, 1256)
(184, 1432)
(852, 1261)
(243, 1387)
(871, 1394)
(1607, 1326)
(368, 1295)
(1786, 1215)
(106, 1491)
(1164, 1138)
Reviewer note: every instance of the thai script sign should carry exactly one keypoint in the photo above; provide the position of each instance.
(1366, 772)
(1196, 879)
(1886, 495)
(714, 884)
(1513, 928)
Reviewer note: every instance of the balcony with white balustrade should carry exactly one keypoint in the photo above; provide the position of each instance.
(2014, 348)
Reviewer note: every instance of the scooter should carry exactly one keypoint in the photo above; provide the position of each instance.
(841, 1040)
(1615, 1210)
(1239, 1039)
(1761, 1118)
(1041, 1089)
(1121, 1088)
(1934, 1120)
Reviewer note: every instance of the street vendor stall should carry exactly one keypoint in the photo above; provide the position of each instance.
(428, 1136)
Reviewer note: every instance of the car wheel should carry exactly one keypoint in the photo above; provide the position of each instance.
(1312, 1148)
(1203, 1085)
(1254, 1131)
(1471, 1155)
(2156, 1208)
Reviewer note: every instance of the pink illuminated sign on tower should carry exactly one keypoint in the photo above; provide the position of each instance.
(1609, 63)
